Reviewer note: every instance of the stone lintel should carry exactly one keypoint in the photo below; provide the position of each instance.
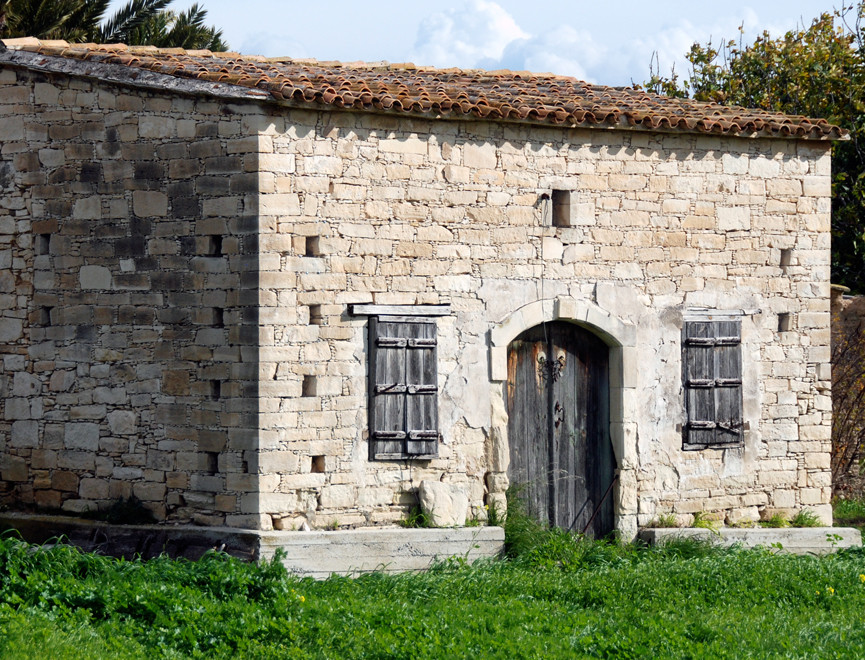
(398, 310)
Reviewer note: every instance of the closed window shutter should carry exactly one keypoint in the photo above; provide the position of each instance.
(713, 383)
(403, 388)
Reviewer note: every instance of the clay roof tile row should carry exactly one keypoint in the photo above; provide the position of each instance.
(445, 93)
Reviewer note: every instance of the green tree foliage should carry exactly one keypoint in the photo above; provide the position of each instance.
(817, 71)
(139, 22)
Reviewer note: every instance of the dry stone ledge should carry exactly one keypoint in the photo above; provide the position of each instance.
(445, 505)
(797, 540)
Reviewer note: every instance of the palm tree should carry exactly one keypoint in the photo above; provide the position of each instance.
(169, 29)
(139, 22)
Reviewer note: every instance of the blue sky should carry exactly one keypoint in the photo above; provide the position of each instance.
(603, 42)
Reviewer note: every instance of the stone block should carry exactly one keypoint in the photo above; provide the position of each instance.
(764, 168)
(79, 506)
(122, 422)
(338, 497)
(147, 204)
(372, 497)
(94, 277)
(149, 492)
(411, 145)
(480, 155)
(25, 384)
(25, 433)
(81, 435)
(278, 461)
(13, 468)
(48, 499)
(17, 409)
(734, 218)
(445, 505)
(10, 329)
(272, 503)
(93, 489)
(261, 521)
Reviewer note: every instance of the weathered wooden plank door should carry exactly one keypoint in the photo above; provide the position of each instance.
(558, 426)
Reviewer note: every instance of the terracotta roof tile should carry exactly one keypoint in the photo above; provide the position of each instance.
(504, 95)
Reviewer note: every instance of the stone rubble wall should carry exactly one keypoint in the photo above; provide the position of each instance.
(231, 388)
(129, 349)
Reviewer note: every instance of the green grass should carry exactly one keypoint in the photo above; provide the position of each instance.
(554, 596)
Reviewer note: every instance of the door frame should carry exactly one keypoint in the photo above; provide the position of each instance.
(620, 337)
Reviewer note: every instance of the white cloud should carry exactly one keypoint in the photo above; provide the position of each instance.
(270, 44)
(464, 37)
(485, 35)
(672, 43)
(563, 50)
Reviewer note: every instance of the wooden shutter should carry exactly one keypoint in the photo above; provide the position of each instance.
(712, 365)
(403, 388)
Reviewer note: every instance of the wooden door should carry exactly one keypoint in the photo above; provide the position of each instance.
(558, 427)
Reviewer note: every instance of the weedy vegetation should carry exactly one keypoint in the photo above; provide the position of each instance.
(805, 518)
(776, 520)
(702, 521)
(666, 520)
(554, 595)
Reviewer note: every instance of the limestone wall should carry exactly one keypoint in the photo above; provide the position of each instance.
(363, 209)
(225, 382)
(128, 313)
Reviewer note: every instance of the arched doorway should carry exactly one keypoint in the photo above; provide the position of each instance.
(558, 427)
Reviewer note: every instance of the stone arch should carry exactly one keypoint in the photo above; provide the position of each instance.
(620, 336)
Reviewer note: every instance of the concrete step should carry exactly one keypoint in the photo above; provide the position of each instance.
(313, 553)
(795, 540)
(393, 549)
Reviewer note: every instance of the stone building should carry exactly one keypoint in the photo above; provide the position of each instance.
(258, 293)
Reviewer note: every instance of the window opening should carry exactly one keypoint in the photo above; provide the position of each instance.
(403, 388)
(561, 208)
(313, 247)
(43, 244)
(712, 365)
(212, 461)
(308, 386)
(214, 246)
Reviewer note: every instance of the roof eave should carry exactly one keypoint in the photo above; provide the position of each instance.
(142, 78)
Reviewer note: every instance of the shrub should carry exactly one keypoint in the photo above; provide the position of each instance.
(848, 397)
(850, 510)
